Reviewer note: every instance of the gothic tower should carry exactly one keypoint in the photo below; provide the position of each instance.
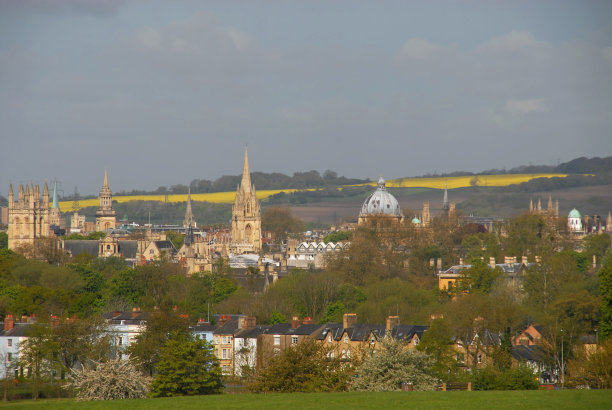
(246, 215)
(189, 219)
(105, 215)
(54, 212)
(28, 216)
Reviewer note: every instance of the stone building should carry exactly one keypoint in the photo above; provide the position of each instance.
(28, 217)
(380, 209)
(246, 215)
(105, 215)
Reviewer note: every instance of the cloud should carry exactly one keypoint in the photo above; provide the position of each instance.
(199, 35)
(419, 49)
(96, 8)
(513, 41)
(526, 106)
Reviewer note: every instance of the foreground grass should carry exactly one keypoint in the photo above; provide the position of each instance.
(566, 399)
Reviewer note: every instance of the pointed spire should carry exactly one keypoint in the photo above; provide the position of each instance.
(530, 206)
(445, 200)
(550, 204)
(246, 173)
(21, 194)
(45, 195)
(55, 204)
(11, 192)
(189, 219)
(105, 184)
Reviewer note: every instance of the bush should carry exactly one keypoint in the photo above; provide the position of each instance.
(520, 378)
(112, 380)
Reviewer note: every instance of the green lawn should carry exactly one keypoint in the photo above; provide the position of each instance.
(568, 399)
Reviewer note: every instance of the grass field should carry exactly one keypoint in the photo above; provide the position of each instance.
(228, 197)
(565, 399)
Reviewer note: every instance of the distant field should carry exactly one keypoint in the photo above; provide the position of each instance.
(534, 399)
(466, 181)
(436, 183)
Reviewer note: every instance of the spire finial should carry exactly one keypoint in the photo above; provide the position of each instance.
(105, 184)
(246, 173)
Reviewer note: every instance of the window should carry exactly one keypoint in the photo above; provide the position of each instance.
(329, 338)
(10, 342)
(346, 339)
(294, 340)
(372, 340)
(348, 353)
(276, 340)
(479, 358)
(216, 340)
(225, 353)
(9, 358)
(460, 357)
(343, 352)
(224, 340)
(120, 340)
(416, 341)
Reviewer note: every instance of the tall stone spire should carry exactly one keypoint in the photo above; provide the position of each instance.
(445, 200)
(246, 173)
(55, 203)
(105, 183)
(11, 195)
(189, 219)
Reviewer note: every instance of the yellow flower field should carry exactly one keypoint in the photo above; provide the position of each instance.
(436, 183)
(465, 181)
(214, 197)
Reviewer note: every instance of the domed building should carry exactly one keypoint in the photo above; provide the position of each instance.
(380, 209)
(574, 221)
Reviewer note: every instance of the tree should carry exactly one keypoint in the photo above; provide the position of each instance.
(393, 365)
(479, 277)
(3, 240)
(160, 327)
(593, 369)
(605, 290)
(437, 344)
(304, 367)
(37, 355)
(112, 380)
(187, 367)
(176, 238)
(280, 221)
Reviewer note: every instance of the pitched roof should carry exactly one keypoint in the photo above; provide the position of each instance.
(528, 353)
(76, 247)
(18, 330)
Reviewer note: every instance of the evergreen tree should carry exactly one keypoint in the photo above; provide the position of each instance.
(186, 368)
(605, 290)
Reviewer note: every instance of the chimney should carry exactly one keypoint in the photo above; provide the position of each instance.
(460, 261)
(55, 320)
(295, 322)
(202, 321)
(175, 308)
(538, 259)
(307, 321)
(392, 321)
(431, 262)
(594, 261)
(492, 262)
(9, 323)
(524, 260)
(250, 322)
(184, 316)
(439, 263)
(349, 319)
(223, 320)
(135, 312)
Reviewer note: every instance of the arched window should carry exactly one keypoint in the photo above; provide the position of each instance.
(248, 231)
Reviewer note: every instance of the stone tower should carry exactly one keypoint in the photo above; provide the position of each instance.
(28, 217)
(189, 219)
(105, 215)
(246, 215)
(55, 216)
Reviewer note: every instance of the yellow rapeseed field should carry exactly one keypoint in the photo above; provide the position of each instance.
(436, 183)
(214, 197)
(465, 181)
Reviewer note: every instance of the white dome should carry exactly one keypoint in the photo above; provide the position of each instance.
(381, 202)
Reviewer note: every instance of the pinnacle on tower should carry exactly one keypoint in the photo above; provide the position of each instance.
(445, 200)
(11, 192)
(189, 219)
(550, 204)
(105, 184)
(55, 204)
(246, 173)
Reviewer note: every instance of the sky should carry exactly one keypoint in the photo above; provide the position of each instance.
(164, 92)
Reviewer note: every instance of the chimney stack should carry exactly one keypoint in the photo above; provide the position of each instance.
(307, 321)
(492, 262)
(524, 260)
(439, 263)
(222, 320)
(349, 319)
(55, 320)
(295, 322)
(461, 261)
(538, 259)
(9, 322)
(392, 321)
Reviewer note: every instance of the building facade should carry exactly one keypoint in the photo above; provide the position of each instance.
(28, 217)
(106, 217)
(246, 215)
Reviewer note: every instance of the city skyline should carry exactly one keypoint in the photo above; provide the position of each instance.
(161, 93)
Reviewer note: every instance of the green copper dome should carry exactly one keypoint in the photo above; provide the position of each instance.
(416, 221)
(574, 214)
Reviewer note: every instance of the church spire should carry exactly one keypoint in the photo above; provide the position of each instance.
(189, 219)
(246, 173)
(55, 204)
(105, 184)
(445, 200)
